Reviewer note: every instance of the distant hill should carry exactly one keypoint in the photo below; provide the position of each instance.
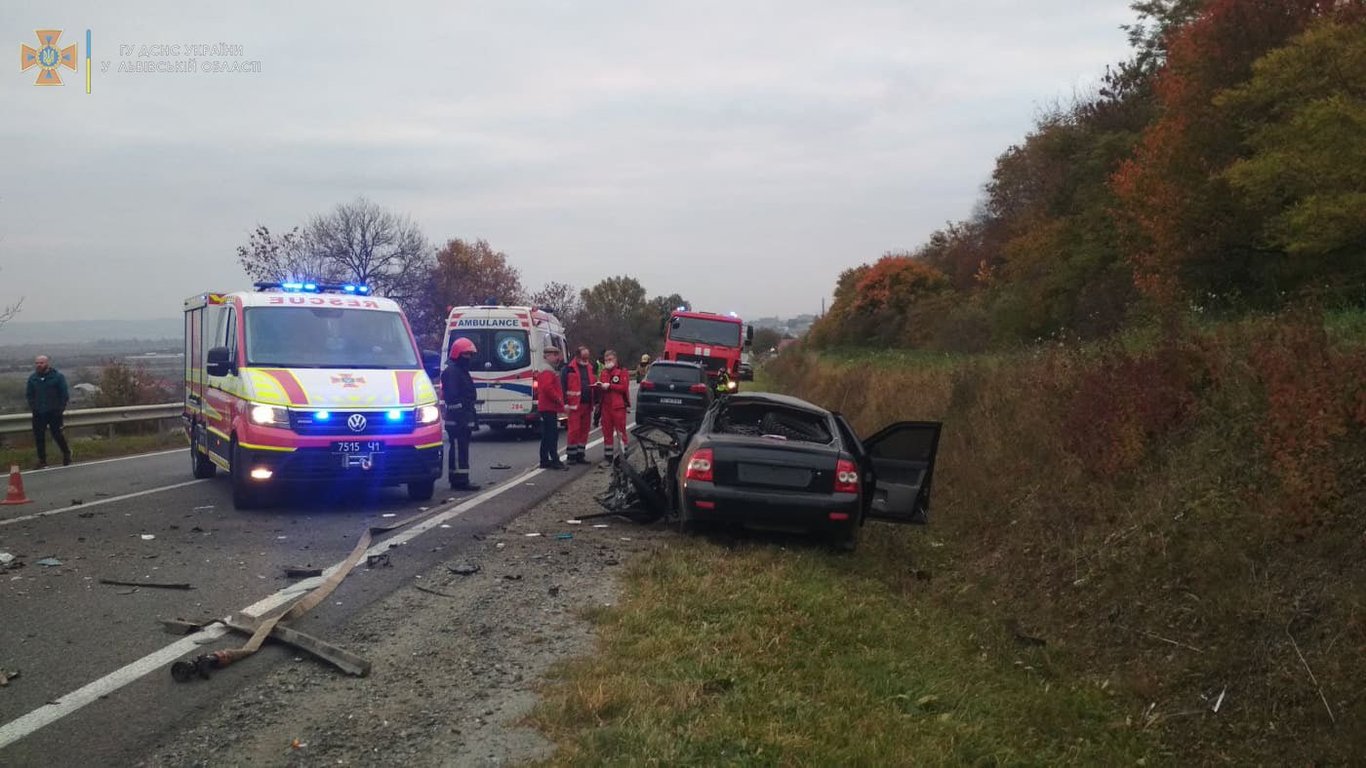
(18, 333)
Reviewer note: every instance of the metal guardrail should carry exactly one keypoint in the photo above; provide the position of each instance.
(16, 423)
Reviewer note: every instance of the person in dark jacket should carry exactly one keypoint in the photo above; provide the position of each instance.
(47, 398)
(550, 404)
(457, 390)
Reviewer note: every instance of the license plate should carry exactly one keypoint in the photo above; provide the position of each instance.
(764, 474)
(671, 400)
(358, 446)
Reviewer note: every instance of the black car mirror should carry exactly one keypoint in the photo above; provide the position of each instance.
(431, 363)
(218, 362)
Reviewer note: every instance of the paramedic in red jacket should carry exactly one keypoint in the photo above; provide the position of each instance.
(550, 403)
(614, 392)
(580, 395)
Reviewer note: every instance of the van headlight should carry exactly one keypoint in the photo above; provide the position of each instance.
(428, 414)
(270, 416)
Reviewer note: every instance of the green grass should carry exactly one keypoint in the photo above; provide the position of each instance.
(19, 450)
(769, 655)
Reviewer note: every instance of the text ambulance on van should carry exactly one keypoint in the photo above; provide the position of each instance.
(306, 382)
(511, 342)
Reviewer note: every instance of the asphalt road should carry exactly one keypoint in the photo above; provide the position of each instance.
(95, 686)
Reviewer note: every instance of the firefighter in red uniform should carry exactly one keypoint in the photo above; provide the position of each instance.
(614, 392)
(550, 404)
(580, 395)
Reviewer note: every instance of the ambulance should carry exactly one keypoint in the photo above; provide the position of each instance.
(511, 343)
(298, 383)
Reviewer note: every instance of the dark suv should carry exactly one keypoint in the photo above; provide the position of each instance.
(674, 390)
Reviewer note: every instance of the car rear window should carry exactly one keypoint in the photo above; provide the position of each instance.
(772, 420)
(673, 374)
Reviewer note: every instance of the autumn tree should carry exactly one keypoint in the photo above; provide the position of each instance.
(1189, 234)
(1305, 174)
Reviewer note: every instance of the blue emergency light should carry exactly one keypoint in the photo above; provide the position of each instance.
(395, 415)
(303, 287)
(322, 415)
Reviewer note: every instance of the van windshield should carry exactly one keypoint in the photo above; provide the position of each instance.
(327, 337)
(508, 350)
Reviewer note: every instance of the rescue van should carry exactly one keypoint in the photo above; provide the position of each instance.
(308, 383)
(511, 342)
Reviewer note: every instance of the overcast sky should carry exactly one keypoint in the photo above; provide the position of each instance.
(740, 153)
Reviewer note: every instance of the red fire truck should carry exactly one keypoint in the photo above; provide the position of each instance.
(713, 340)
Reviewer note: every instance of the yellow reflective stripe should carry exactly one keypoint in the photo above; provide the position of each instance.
(266, 448)
(220, 462)
(220, 433)
(430, 445)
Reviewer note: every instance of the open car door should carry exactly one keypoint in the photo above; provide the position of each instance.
(902, 456)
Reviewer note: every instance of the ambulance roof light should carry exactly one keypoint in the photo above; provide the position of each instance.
(296, 286)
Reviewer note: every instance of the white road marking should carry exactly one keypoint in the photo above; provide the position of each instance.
(97, 502)
(79, 464)
(50, 713)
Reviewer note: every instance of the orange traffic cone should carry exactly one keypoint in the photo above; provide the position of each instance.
(16, 488)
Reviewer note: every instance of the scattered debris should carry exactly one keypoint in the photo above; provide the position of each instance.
(301, 572)
(574, 522)
(183, 626)
(77, 502)
(378, 561)
(1219, 702)
(389, 514)
(50, 562)
(513, 576)
(281, 538)
(464, 569)
(421, 588)
(500, 466)
(5, 559)
(7, 675)
(532, 535)
(85, 514)
(148, 536)
(601, 525)
(200, 509)
(296, 744)
(500, 545)
(564, 536)
(555, 590)
(445, 525)
(153, 584)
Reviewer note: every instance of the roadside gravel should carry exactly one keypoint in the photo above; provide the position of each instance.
(453, 673)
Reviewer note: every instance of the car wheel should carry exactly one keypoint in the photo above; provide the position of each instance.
(422, 490)
(245, 495)
(200, 466)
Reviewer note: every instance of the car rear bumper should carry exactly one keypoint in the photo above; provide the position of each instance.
(394, 465)
(771, 509)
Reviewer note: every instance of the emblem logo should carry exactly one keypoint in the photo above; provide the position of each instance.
(47, 58)
(356, 422)
(348, 381)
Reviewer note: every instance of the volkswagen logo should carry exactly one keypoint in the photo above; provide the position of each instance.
(356, 422)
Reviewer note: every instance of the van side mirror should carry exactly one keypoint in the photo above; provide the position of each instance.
(431, 363)
(749, 335)
(219, 362)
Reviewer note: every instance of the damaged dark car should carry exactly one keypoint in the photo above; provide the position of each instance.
(773, 462)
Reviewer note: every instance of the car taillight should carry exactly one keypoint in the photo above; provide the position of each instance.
(699, 466)
(647, 385)
(846, 477)
(700, 389)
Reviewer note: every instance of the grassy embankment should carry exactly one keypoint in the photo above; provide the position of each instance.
(1180, 523)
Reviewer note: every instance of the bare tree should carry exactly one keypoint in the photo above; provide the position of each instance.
(563, 300)
(291, 256)
(371, 245)
(7, 314)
